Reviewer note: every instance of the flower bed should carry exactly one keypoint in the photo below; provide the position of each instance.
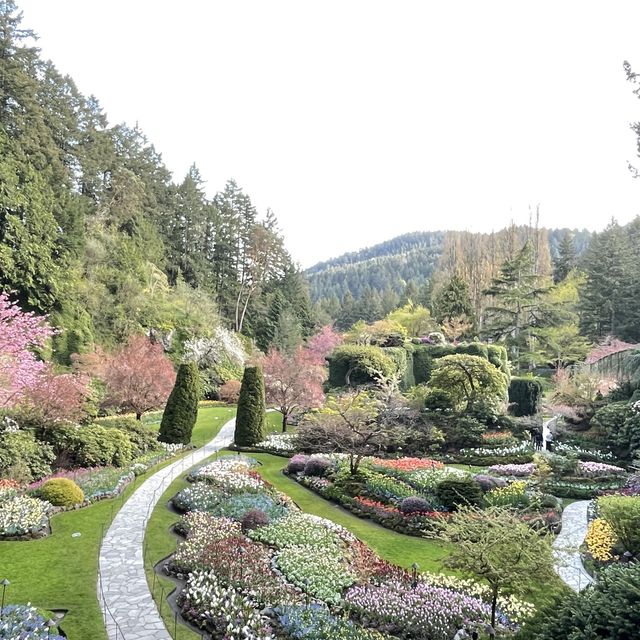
(600, 540)
(599, 469)
(23, 516)
(278, 443)
(485, 456)
(516, 470)
(581, 488)
(252, 586)
(407, 464)
(23, 622)
(297, 529)
(422, 613)
(594, 455)
(322, 575)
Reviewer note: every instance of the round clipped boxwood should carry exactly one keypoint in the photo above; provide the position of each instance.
(61, 492)
(415, 504)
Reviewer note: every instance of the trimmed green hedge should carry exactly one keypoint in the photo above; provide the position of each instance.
(181, 412)
(250, 416)
(425, 354)
(355, 361)
(526, 394)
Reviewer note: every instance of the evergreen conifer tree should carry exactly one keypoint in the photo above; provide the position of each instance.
(250, 417)
(566, 259)
(181, 412)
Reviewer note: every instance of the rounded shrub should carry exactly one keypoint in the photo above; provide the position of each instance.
(316, 467)
(61, 492)
(488, 483)
(297, 463)
(415, 504)
(463, 490)
(253, 519)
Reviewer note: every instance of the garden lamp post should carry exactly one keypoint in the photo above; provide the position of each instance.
(414, 575)
(626, 557)
(5, 583)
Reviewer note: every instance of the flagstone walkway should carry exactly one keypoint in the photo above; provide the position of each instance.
(130, 611)
(568, 564)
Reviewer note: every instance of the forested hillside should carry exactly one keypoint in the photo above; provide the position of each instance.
(411, 265)
(96, 233)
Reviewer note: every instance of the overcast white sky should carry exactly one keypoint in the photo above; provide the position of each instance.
(356, 121)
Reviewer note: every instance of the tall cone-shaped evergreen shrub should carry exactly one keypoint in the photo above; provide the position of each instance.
(250, 417)
(181, 412)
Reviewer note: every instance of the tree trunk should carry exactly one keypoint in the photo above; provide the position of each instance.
(285, 419)
(138, 415)
(494, 604)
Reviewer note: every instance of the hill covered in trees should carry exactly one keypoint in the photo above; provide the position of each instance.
(411, 265)
(95, 232)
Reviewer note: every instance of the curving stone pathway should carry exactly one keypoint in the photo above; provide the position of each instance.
(129, 610)
(568, 564)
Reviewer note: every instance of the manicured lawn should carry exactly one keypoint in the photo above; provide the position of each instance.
(274, 422)
(60, 572)
(400, 549)
(468, 467)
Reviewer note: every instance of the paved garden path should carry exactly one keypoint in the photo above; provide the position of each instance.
(568, 564)
(130, 612)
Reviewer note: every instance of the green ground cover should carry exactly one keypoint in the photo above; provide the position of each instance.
(60, 571)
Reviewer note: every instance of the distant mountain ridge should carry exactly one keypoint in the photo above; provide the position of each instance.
(392, 264)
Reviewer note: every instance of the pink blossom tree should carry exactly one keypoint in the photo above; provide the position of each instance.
(21, 334)
(55, 398)
(138, 377)
(323, 343)
(293, 381)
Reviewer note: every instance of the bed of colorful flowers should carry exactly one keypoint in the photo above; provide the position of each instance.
(278, 443)
(407, 464)
(599, 469)
(594, 455)
(303, 576)
(484, 456)
(22, 516)
(582, 488)
(515, 470)
(600, 540)
(23, 622)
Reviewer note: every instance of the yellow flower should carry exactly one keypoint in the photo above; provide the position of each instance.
(600, 540)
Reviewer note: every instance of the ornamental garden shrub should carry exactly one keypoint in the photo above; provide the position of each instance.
(297, 463)
(415, 504)
(250, 416)
(623, 515)
(61, 492)
(254, 518)
(316, 467)
(22, 515)
(143, 438)
(525, 395)
(607, 610)
(181, 411)
(351, 365)
(229, 392)
(23, 458)
(456, 491)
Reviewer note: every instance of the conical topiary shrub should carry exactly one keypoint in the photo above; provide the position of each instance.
(250, 417)
(181, 412)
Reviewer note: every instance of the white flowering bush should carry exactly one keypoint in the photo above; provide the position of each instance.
(229, 475)
(22, 515)
(222, 610)
(584, 454)
(198, 497)
(298, 529)
(322, 574)
(517, 470)
(500, 452)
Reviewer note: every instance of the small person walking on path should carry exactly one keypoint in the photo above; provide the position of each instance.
(549, 441)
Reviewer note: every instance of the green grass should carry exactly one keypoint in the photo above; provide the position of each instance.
(61, 572)
(395, 547)
(468, 467)
(274, 422)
